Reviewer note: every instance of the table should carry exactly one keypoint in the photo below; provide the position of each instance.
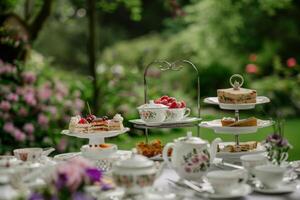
(167, 173)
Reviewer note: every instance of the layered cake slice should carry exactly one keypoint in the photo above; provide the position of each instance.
(116, 123)
(243, 146)
(99, 124)
(236, 96)
(252, 121)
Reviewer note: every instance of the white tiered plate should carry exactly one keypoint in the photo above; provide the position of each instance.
(97, 137)
(186, 120)
(235, 156)
(216, 125)
(245, 106)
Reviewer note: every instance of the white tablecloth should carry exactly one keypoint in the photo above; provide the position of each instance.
(167, 173)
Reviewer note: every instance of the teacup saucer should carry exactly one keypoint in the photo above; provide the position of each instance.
(281, 189)
(241, 191)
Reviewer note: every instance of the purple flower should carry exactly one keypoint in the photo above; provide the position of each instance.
(29, 77)
(12, 97)
(28, 128)
(7, 69)
(283, 143)
(5, 106)
(36, 196)
(45, 92)
(94, 174)
(81, 196)
(61, 181)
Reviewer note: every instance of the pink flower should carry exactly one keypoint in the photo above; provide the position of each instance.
(28, 128)
(29, 98)
(19, 135)
(62, 145)
(61, 88)
(251, 69)
(23, 112)
(29, 77)
(8, 127)
(12, 97)
(45, 92)
(253, 57)
(52, 110)
(5, 106)
(291, 62)
(43, 120)
(79, 104)
(7, 69)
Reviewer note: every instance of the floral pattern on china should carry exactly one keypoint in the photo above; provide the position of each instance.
(152, 113)
(196, 161)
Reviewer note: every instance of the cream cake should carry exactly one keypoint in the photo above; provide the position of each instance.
(116, 123)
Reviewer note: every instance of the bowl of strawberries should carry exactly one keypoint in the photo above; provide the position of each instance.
(176, 111)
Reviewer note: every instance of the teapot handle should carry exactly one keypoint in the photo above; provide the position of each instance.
(165, 154)
(214, 148)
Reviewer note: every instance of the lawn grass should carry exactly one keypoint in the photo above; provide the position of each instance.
(292, 133)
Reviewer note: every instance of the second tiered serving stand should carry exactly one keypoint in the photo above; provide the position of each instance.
(165, 66)
(236, 131)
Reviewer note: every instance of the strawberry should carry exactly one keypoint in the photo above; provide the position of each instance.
(164, 97)
(183, 104)
(164, 102)
(173, 105)
(178, 104)
(171, 100)
(82, 121)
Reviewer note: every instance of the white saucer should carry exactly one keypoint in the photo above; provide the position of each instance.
(216, 125)
(182, 121)
(282, 189)
(245, 106)
(66, 156)
(242, 191)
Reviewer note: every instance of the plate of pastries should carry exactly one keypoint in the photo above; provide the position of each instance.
(152, 150)
(232, 126)
(230, 148)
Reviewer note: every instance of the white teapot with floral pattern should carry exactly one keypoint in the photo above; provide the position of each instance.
(191, 156)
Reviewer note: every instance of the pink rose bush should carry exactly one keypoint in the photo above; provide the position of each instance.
(32, 109)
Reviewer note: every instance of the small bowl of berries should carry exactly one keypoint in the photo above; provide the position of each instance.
(176, 111)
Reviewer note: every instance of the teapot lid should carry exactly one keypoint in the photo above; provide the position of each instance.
(135, 161)
(190, 139)
(152, 105)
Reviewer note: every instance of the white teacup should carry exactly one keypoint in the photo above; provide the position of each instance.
(224, 182)
(253, 160)
(270, 175)
(28, 154)
(152, 113)
(176, 114)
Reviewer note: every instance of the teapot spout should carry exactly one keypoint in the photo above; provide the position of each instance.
(214, 148)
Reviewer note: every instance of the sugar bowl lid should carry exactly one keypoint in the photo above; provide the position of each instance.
(135, 161)
(190, 139)
(152, 105)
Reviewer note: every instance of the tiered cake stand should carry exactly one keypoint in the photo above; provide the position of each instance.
(236, 131)
(102, 159)
(165, 66)
(96, 138)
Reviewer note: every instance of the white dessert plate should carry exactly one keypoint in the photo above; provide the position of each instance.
(103, 134)
(245, 106)
(281, 189)
(237, 155)
(241, 191)
(182, 121)
(216, 125)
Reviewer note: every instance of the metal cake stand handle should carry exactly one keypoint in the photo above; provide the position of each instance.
(236, 84)
(174, 66)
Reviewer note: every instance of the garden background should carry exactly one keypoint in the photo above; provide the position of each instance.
(58, 55)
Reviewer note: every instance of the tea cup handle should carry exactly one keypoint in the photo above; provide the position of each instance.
(187, 112)
(284, 156)
(165, 154)
(243, 175)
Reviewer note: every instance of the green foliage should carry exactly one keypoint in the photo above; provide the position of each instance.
(7, 5)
